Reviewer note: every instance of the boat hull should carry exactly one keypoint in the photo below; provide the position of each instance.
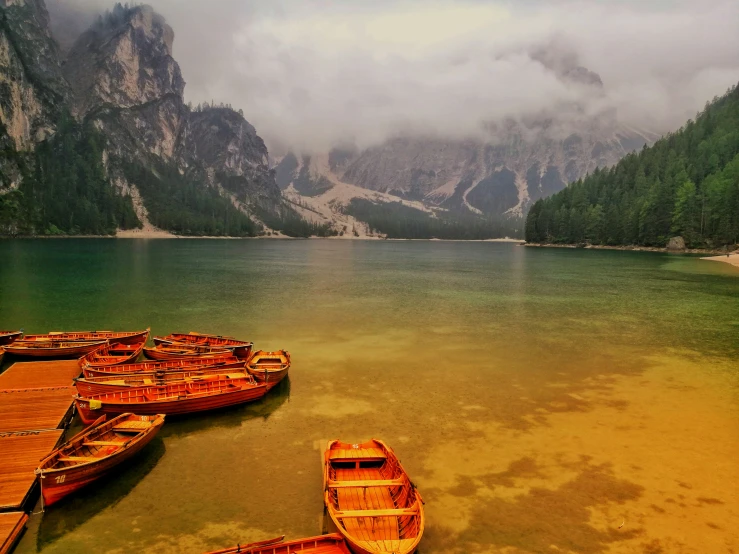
(116, 383)
(388, 521)
(240, 348)
(269, 378)
(68, 350)
(169, 407)
(113, 354)
(164, 366)
(324, 544)
(131, 337)
(6, 337)
(186, 354)
(58, 483)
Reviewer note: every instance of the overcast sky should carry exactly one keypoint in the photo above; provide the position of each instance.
(311, 73)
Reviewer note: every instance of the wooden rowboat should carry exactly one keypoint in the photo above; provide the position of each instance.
(177, 398)
(227, 362)
(52, 349)
(269, 367)
(94, 453)
(115, 353)
(6, 337)
(325, 544)
(370, 498)
(114, 383)
(2, 353)
(126, 337)
(240, 348)
(178, 352)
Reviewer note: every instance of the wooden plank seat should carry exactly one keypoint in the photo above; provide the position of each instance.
(77, 459)
(352, 454)
(377, 513)
(103, 443)
(367, 483)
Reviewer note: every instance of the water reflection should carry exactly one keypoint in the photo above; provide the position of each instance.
(76, 509)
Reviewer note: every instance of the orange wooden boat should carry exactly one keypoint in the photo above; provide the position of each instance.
(370, 498)
(2, 353)
(52, 349)
(226, 362)
(94, 453)
(240, 348)
(269, 367)
(6, 337)
(176, 398)
(114, 383)
(126, 337)
(325, 544)
(178, 352)
(115, 353)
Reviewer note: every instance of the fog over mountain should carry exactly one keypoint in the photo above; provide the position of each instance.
(311, 75)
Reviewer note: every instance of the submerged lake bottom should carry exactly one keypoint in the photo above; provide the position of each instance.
(542, 400)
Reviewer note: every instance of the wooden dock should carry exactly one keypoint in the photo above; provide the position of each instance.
(54, 373)
(21, 455)
(35, 407)
(11, 527)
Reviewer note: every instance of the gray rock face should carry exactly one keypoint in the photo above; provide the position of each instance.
(676, 244)
(125, 78)
(224, 142)
(123, 61)
(32, 89)
(496, 177)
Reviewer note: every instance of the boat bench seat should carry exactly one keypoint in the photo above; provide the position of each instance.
(77, 459)
(352, 454)
(103, 443)
(368, 483)
(377, 513)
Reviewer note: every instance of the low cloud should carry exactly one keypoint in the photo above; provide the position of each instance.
(313, 74)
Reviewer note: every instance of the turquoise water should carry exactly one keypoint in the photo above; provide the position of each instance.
(538, 397)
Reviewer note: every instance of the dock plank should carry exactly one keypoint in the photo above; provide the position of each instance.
(34, 409)
(52, 373)
(21, 454)
(11, 527)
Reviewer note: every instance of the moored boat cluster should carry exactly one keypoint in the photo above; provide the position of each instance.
(124, 400)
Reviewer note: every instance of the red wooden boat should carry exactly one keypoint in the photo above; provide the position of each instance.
(115, 353)
(325, 544)
(172, 399)
(226, 362)
(240, 348)
(178, 352)
(6, 337)
(126, 337)
(52, 349)
(114, 383)
(94, 453)
(370, 498)
(269, 367)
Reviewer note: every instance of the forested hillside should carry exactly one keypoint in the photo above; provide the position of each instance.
(397, 221)
(686, 184)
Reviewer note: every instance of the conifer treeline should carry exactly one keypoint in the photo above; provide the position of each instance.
(399, 221)
(686, 184)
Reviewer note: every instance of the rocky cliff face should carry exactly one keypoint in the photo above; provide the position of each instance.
(125, 78)
(32, 90)
(500, 176)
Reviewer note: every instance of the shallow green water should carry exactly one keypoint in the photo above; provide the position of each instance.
(537, 397)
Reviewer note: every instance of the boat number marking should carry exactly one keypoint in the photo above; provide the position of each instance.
(144, 418)
(60, 478)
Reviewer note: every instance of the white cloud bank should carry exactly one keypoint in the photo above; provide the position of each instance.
(311, 74)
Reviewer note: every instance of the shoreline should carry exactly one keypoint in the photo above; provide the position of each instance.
(715, 255)
(158, 235)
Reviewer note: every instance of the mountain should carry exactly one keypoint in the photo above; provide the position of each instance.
(496, 177)
(686, 184)
(104, 139)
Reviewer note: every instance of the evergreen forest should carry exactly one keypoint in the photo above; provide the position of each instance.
(686, 184)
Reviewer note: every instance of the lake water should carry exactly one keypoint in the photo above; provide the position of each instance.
(543, 400)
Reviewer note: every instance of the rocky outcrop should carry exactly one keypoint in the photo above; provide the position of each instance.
(235, 156)
(126, 80)
(676, 244)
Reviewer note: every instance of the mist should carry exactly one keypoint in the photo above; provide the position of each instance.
(315, 74)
